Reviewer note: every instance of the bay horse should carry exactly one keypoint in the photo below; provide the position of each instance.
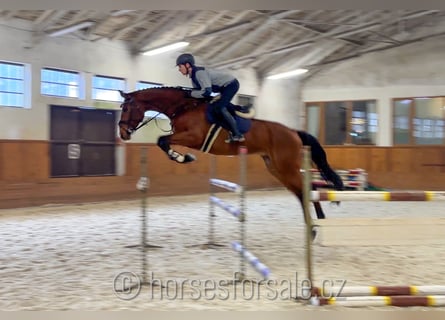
(278, 145)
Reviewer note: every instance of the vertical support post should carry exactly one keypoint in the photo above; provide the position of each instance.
(142, 185)
(144, 191)
(307, 180)
(212, 173)
(242, 217)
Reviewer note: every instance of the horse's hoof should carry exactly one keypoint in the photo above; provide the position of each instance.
(188, 157)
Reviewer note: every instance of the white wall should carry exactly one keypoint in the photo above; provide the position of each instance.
(109, 58)
(410, 71)
(279, 100)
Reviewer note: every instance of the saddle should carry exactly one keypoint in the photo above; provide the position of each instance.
(243, 116)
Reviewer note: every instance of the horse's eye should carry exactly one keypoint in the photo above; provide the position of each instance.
(124, 108)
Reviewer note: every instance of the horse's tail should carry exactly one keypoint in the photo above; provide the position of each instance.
(318, 156)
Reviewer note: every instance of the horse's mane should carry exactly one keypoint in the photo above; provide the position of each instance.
(188, 101)
(162, 88)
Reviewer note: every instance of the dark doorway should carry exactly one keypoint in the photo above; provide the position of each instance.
(83, 141)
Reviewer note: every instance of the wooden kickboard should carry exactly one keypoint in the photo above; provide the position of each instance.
(380, 232)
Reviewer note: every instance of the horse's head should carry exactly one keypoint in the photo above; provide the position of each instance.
(169, 101)
(132, 114)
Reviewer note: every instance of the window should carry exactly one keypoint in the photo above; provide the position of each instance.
(401, 121)
(145, 85)
(313, 120)
(364, 122)
(419, 121)
(335, 123)
(60, 83)
(106, 88)
(13, 86)
(343, 122)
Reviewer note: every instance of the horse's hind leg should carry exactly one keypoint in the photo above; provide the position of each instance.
(318, 209)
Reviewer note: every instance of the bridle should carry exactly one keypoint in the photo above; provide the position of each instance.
(128, 104)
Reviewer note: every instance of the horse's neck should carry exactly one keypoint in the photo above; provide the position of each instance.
(170, 107)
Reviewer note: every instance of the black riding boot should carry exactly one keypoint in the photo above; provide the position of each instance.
(235, 135)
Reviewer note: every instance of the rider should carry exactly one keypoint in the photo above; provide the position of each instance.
(205, 81)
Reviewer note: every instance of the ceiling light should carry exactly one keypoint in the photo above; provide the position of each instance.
(169, 47)
(288, 74)
(71, 28)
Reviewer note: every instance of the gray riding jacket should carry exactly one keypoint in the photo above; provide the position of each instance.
(205, 81)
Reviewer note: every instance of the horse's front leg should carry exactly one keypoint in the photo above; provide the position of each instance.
(164, 144)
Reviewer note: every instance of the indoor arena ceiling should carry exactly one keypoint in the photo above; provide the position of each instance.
(269, 41)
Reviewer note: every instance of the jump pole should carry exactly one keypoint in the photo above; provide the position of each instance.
(377, 195)
(352, 291)
(213, 200)
(382, 301)
(365, 296)
(237, 212)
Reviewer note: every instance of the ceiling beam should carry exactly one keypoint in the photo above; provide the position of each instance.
(101, 19)
(337, 32)
(49, 22)
(317, 31)
(197, 46)
(156, 30)
(170, 25)
(46, 22)
(286, 48)
(307, 17)
(270, 20)
(236, 24)
(45, 15)
(213, 19)
(9, 14)
(386, 21)
(273, 41)
(305, 43)
(226, 29)
(364, 52)
(322, 50)
(80, 15)
(140, 20)
(119, 13)
(194, 16)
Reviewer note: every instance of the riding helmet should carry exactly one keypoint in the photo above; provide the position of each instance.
(184, 58)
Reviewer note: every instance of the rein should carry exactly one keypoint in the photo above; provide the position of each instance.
(145, 122)
(173, 115)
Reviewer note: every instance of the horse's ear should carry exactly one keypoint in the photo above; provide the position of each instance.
(123, 94)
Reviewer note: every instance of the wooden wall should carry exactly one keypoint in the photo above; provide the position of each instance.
(168, 177)
(24, 172)
(421, 168)
(24, 176)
